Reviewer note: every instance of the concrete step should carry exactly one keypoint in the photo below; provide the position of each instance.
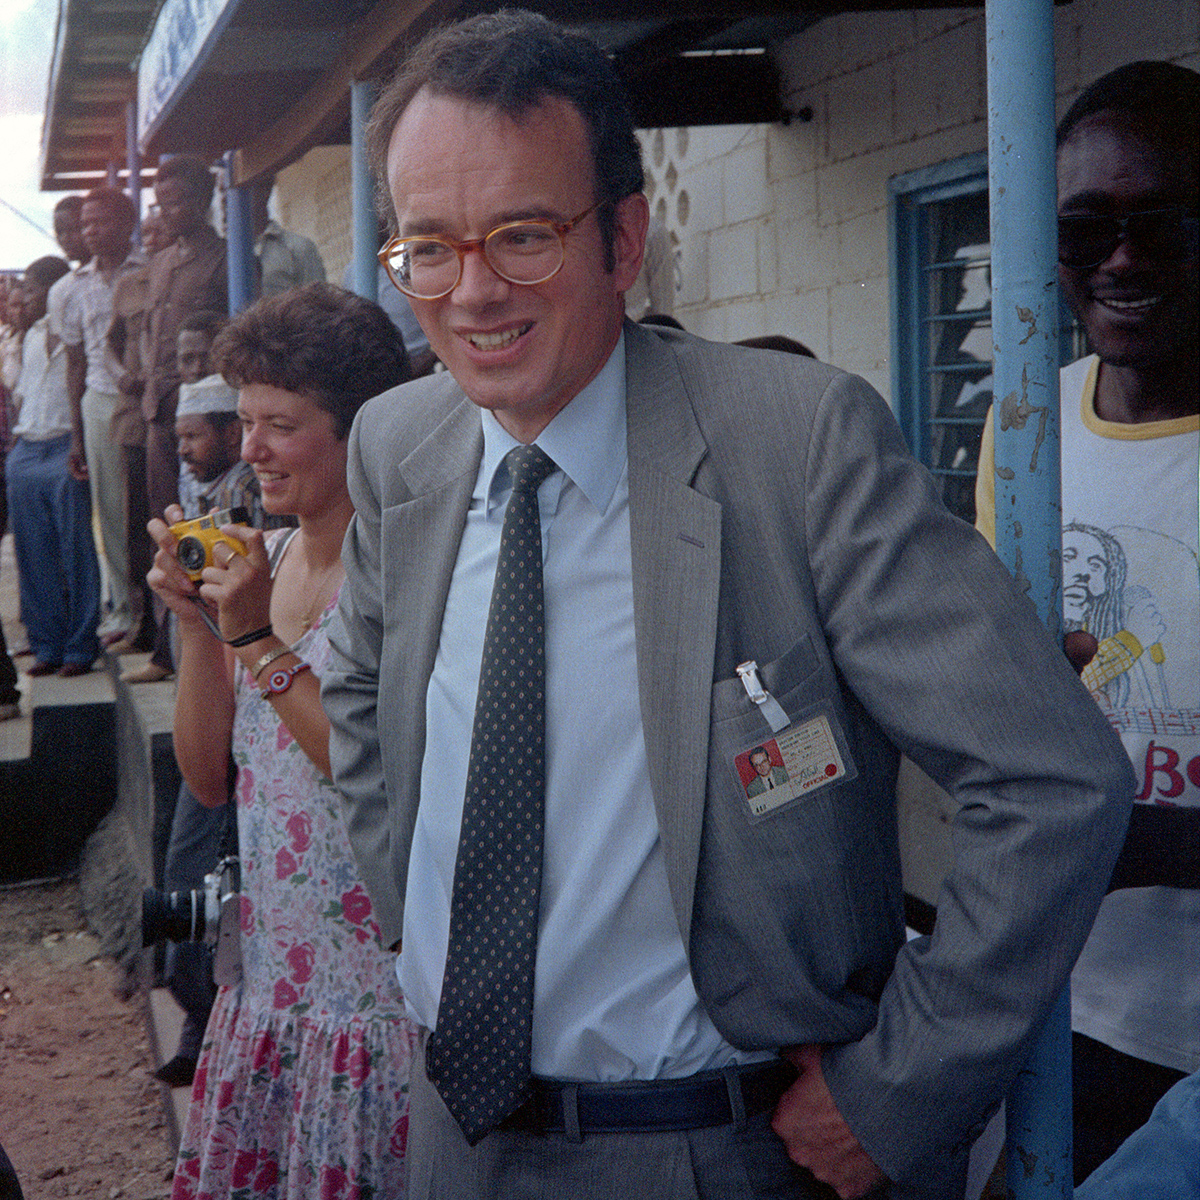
(58, 773)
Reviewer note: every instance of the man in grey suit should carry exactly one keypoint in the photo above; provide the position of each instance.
(720, 1001)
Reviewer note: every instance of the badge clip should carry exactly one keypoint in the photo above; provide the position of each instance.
(770, 708)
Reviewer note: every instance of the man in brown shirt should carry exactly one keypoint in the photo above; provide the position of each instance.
(130, 297)
(190, 275)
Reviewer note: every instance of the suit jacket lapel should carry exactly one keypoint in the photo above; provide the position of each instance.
(421, 538)
(676, 549)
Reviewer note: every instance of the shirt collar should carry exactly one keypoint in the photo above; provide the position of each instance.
(586, 439)
(134, 258)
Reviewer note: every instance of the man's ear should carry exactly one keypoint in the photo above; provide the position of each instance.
(631, 221)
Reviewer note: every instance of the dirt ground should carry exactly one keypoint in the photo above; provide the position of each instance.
(80, 1114)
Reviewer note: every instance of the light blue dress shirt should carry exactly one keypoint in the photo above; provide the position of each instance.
(613, 996)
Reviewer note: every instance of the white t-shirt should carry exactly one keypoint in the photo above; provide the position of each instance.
(1130, 578)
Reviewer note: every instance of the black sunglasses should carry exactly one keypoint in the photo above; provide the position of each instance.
(1165, 234)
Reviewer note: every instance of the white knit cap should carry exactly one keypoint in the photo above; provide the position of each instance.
(208, 395)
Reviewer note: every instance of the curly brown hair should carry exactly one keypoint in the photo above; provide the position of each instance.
(320, 341)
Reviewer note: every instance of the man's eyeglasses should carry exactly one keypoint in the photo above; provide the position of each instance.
(524, 252)
(1164, 234)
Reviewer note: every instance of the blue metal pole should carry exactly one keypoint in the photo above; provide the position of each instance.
(133, 159)
(365, 274)
(243, 278)
(1022, 198)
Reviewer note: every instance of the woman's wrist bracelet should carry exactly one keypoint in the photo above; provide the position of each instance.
(267, 659)
(247, 638)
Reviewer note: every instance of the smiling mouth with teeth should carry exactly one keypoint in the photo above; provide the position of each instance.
(1132, 306)
(496, 341)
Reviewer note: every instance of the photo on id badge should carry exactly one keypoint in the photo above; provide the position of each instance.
(797, 760)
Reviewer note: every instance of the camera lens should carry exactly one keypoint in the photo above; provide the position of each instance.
(172, 916)
(191, 554)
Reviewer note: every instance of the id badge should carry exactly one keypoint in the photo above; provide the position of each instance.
(797, 759)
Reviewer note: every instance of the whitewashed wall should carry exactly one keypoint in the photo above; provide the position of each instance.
(314, 199)
(783, 229)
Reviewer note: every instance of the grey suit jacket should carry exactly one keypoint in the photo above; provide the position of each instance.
(776, 515)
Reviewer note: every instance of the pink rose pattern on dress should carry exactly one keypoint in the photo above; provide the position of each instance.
(302, 1086)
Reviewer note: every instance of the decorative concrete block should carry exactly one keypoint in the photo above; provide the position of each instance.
(706, 208)
(862, 243)
(858, 326)
(803, 316)
(865, 38)
(768, 258)
(693, 270)
(745, 318)
(808, 254)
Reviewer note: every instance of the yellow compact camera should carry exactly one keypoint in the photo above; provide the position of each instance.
(199, 538)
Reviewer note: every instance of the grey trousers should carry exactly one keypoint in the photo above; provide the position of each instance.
(719, 1163)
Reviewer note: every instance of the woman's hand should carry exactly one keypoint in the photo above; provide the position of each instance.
(236, 587)
(171, 583)
(239, 585)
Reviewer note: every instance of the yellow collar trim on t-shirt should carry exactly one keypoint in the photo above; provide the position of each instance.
(1122, 430)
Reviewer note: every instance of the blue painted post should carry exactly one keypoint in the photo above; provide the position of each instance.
(243, 278)
(1022, 198)
(133, 159)
(365, 274)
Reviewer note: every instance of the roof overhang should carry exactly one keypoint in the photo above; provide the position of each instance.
(92, 81)
(271, 78)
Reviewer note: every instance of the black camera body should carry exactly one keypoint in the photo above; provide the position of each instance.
(198, 538)
(211, 915)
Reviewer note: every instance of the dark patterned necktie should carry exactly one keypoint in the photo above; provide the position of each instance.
(479, 1055)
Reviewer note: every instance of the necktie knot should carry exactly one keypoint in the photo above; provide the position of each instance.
(529, 467)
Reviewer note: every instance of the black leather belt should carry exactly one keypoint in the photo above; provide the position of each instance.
(696, 1102)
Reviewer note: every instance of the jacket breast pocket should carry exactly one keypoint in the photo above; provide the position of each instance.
(767, 759)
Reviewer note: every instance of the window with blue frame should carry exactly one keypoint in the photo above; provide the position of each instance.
(942, 320)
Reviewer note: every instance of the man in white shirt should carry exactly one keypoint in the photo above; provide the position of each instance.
(1129, 266)
(107, 222)
(49, 508)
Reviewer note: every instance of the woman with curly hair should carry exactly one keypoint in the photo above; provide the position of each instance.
(301, 1090)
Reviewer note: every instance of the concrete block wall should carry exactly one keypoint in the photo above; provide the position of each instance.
(783, 229)
(314, 199)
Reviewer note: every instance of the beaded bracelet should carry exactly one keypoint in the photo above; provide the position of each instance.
(279, 681)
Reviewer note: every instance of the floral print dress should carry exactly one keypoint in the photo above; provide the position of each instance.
(301, 1091)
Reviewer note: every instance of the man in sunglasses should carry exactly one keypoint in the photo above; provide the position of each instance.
(593, 566)
(1128, 266)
